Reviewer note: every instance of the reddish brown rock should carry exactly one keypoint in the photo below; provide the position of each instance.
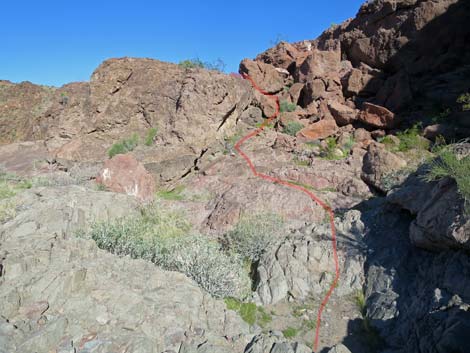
(284, 55)
(319, 130)
(342, 114)
(124, 174)
(377, 116)
(294, 92)
(266, 103)
(264, 75)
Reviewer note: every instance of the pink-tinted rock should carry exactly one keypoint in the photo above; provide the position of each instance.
(377, 116)
(319, 130)
(124, 174)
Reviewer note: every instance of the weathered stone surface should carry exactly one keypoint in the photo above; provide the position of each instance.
(342, 114)
(263, 75)
(123, 173)
(339, 348)
(302, 263)
(318, 130)
(275, 344)
(95, 300)
(377, 116)
(380, 164)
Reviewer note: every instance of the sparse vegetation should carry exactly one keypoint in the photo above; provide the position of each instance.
(411, 139)
(162, 237)
(7, 210)
(174, 194)
(292, 128)
(217, 65)
(449, 163)
(290, 332)
(124, 146)
(301, 162)
(249, 312)
(191, 63)
(150, 136)
(286, 106)
(464, 99)
(254, 234)
(332, 151)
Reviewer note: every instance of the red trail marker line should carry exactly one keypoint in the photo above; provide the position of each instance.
(297, 187)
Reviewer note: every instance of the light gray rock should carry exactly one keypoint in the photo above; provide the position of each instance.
(274, 344)
(303, 263)
(339, 348)
(95, 300)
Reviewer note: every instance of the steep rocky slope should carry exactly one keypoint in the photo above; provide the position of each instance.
(348, 102)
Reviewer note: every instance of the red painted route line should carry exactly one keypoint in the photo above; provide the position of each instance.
(297, 187)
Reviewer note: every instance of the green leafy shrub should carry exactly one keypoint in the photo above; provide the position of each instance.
(464, 99)
(249, 312)
(174, 194)
(293, 127)
(162, 238)
(150, 136)
(285, 106)
(124, 146)
(192, 63)
(449, 164)
(7, 210)
(290, 332)
(411, 139)
(252, 235)
(333, 151)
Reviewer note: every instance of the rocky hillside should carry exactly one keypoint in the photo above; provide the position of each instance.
(128, 223)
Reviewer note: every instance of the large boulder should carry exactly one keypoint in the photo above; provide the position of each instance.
(319, 130)
(123, 173)
(441, 221)
(265, 76)
(377, 117)
(381, 168)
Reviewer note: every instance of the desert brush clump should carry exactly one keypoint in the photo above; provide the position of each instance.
(164, 238)
(453, 161)
(253, 234)
(292, 128)
(124, 146)
(285, 106)
(249, 312)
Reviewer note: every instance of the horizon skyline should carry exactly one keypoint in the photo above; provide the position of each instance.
(53, 45)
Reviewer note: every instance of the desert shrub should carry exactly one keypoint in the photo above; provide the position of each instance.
(7, 210)
(162, 238)
(332, 151)
(411, 139)
(11, 184)
(285, 106)
(249, 312)
(175, 194)
(293, 127)
(150, 136)
(448, 163)
(290, 332)
(124, 146)
(220, 273)
(252, 235)
(464, 99)
(191, 63)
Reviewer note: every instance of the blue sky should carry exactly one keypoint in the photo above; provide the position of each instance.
(55, 42)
